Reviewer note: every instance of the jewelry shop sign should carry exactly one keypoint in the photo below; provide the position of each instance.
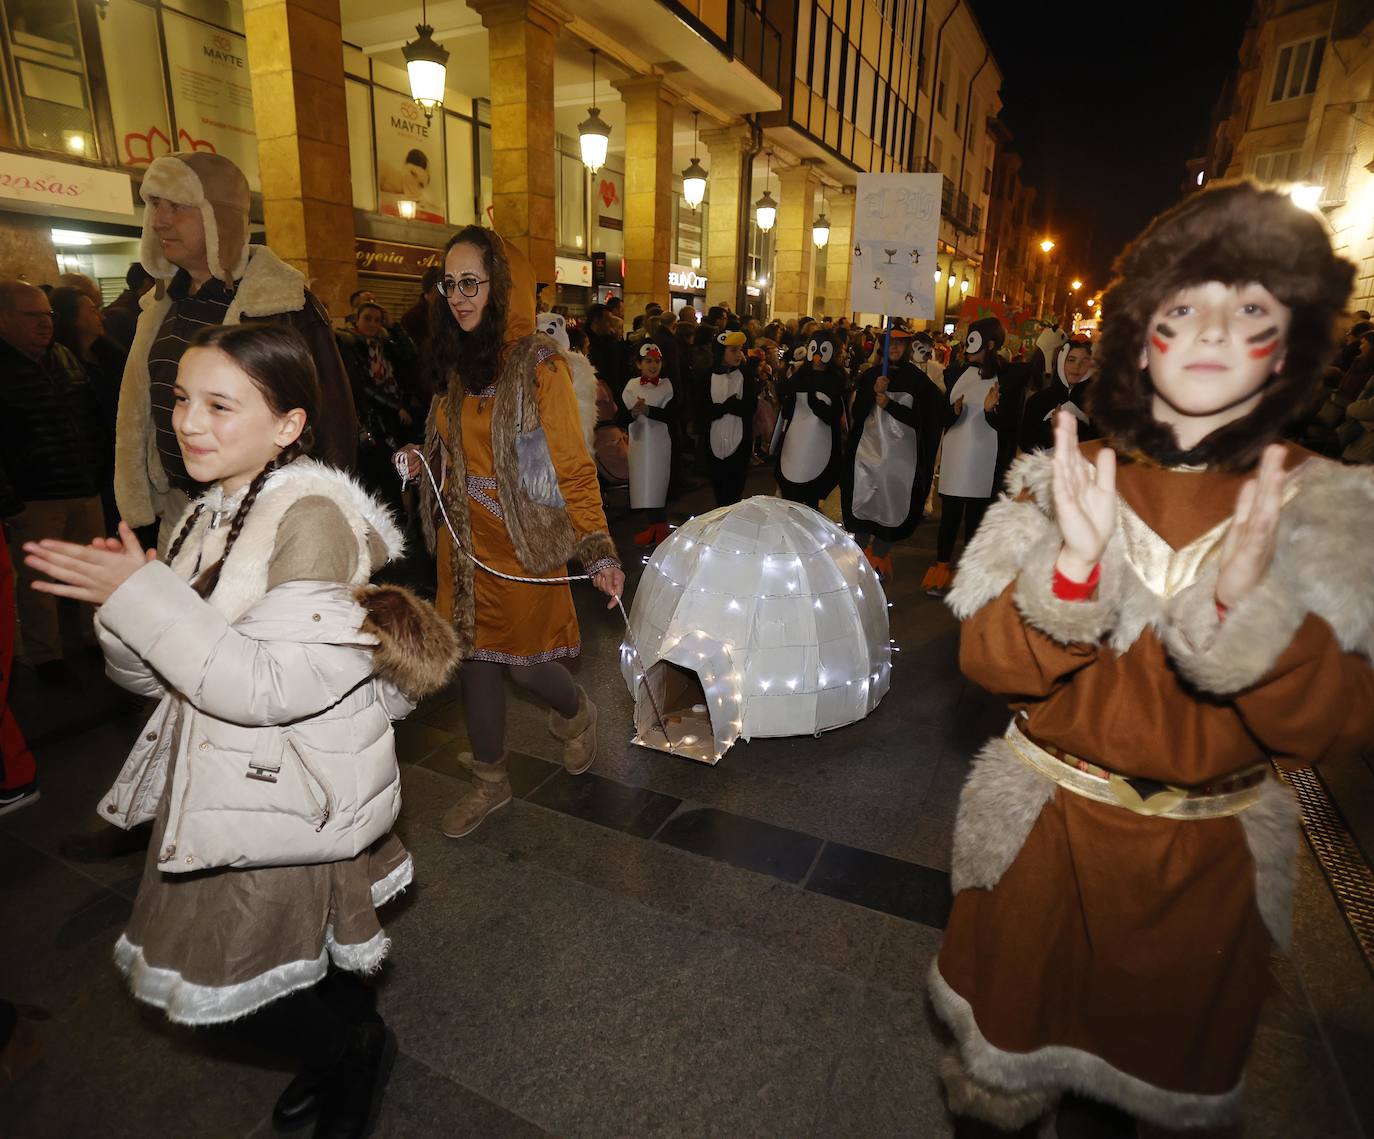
(394, 258)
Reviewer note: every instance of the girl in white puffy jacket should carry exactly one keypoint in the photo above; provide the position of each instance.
(269, 767)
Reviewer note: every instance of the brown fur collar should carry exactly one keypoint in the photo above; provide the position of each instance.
(543, 536)
(416, 649)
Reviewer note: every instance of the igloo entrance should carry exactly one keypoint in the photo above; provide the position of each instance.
(692, 685)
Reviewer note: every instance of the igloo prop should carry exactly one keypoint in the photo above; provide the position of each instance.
(757, 619)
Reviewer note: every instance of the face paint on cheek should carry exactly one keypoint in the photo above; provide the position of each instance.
(1161, 337)
(1267, 342)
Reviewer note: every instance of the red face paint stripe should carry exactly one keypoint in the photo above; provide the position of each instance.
(1267, 350)
(1160, 345)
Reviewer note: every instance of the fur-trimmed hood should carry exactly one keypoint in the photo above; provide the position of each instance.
(1235, 234)
(216, 187)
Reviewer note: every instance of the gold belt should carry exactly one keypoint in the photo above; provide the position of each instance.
(1225, 797)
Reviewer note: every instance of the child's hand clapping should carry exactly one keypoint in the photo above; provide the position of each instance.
(88, 573)
(1248, 548)
(1084, 500)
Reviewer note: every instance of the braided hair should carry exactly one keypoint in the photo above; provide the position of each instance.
(277, 360)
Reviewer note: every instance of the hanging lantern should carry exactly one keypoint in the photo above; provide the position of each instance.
(766, 208)
(694, 177)
(592, 132)
(820, 230)
(427, 66)
(405, 208)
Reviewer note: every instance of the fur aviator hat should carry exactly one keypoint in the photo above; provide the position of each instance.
(215, 186)
(1234, 234)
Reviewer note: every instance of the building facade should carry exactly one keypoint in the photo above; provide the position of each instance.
(356, 184)
(1299, 115)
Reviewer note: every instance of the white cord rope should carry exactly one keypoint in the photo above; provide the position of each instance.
(401, 460)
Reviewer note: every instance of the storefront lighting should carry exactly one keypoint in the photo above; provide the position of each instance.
(820, 229)
(694, 177)
(69, 237)
(592, 132)
(427, 66)
(766, 208)
(963, 285)
(937, 276)
(406, 208)
(75, 140)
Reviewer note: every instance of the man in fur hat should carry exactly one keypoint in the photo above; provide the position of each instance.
(195, 246)
(1167, 611)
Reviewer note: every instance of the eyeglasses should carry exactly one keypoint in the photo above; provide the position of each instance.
(468, 286)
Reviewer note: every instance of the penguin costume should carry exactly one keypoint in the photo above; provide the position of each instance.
(1071, 389)
(896, 420)
(734, 395)
(649, 399)
(812, 411)
(982, 417)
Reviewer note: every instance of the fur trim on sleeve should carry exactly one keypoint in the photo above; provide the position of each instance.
(1317, 568)
(417, 650)
(593, 548)
(1018, 541)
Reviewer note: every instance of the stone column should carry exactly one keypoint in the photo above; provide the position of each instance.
(26, 248)
(792, 240)
(520, 50)
(728, 160)
(648, 190)
(839, 252)
(295, 58)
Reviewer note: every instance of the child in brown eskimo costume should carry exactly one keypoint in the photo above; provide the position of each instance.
(269, 767)
(1166, 611)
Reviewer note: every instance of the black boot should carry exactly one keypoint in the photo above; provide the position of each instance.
(300, 1102)
(353, 1095)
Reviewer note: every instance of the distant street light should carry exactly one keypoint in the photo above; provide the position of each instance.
(1305, 195)
(1046, 245)
(1077, 284)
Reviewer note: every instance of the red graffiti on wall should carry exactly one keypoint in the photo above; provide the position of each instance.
(609, 194)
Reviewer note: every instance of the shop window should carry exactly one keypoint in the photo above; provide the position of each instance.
(138, 103)
(462, 170)
(410, 158)
(1297, 68)
(572, 204)
(1278, 166)
(49, 71)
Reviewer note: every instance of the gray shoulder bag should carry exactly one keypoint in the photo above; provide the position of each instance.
(538, 479)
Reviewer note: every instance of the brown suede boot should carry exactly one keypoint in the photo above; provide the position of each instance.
(489, 792)
(578, 734)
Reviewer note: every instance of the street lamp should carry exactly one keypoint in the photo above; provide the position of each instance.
(1305, 196)
(1046, 245)
(1077, 284)
(820, 228)
(426, 66)
(694, 177)
(593, 135)
(766, 208)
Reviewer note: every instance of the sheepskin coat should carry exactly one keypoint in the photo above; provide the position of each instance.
(1098, 950)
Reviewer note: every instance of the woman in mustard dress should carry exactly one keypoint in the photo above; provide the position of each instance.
(526, 517)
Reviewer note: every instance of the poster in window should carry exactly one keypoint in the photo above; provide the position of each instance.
(136, 99)
(410, 157)
(212, 96)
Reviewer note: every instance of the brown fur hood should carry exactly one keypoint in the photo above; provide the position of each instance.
(417, 650)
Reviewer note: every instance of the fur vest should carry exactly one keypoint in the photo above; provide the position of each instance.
(543, 536)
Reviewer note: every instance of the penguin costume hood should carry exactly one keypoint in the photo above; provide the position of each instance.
(216, 187)
(1235, 234)
(722, 341)
(985, 333)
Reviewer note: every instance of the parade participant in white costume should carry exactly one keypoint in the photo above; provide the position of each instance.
(734, 396)
(897, 417)
(985, 394)
(649, 398)
(812, 411)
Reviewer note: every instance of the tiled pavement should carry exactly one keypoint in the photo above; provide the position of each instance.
(658, 948)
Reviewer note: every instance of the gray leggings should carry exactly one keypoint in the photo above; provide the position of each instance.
(484, 699)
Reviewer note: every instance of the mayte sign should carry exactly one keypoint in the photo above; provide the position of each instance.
(63, 187)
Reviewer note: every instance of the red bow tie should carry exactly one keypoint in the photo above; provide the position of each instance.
(651, 383)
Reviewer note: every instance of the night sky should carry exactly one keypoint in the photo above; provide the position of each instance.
(1104, 116)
